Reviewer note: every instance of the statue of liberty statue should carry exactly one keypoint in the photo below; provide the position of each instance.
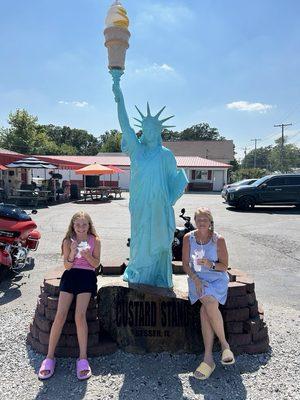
(155, 186)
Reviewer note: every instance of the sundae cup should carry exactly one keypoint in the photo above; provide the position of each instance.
(198, 255)
(82, 246)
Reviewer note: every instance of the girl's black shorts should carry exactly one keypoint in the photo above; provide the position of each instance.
(78, 281)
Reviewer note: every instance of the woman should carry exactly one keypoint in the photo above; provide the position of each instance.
(205, 260)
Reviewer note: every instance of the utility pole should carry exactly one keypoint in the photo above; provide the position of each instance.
(282, 144)
(245, 153)
(255, 141)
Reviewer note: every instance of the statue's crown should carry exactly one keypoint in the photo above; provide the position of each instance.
(154, 118)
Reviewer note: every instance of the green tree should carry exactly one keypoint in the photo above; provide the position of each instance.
(3, 133)
(75, 141)
(49, 146)
(284, 158)
(21, 134)
(170, 136)
(25, 136)
(262, 158)
(110, 142)
(200, 131)
(274, 158)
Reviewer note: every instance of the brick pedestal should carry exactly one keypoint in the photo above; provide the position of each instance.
(140, 318)
(244, 323)
(99, 342)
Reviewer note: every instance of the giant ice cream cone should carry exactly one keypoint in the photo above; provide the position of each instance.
(116, 35)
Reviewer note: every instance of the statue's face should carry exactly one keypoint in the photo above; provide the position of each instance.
(151, 131)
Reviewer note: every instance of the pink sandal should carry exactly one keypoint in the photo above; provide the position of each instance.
(47, 365)
(83, 365)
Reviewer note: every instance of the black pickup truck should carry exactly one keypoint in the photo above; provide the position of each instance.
(281, 189)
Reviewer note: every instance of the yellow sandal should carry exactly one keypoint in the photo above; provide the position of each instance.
(227, 353)
(205, 370)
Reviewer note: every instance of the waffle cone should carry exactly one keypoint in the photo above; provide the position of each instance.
(117, 42)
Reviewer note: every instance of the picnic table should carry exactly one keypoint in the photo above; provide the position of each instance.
(102, 191)
(94, 193)
(30, 197)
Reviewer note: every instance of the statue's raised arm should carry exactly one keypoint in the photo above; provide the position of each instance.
(129, 138)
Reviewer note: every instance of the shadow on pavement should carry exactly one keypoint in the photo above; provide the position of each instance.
(166, 379)
(227, 381)
(268, 210)
(11, 283)
(10, 289)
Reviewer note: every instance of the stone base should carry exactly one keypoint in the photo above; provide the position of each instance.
(99, 342)
(142, 318)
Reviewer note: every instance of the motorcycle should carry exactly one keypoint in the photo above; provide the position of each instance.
(179, 234)
(18, 236)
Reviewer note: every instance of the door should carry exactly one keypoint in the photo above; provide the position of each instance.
(274, 191)
(292, 188)
(218, 180)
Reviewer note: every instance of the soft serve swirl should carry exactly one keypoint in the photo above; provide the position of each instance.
(117, 16)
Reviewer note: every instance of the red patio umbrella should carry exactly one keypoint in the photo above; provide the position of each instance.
(116, 171)
(2, 168)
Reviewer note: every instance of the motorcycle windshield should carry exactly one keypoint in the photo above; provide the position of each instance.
(13, 212)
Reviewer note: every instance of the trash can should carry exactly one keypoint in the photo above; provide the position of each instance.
(74, 192)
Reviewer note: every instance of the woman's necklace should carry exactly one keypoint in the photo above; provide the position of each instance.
(202, 242)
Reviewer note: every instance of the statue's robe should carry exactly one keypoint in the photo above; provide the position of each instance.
(155, 186)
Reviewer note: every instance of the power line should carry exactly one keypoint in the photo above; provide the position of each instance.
(272, 135)
(293, 135)
(255, 142)
(297, 140)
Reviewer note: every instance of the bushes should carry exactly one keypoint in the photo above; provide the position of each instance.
(247, 173)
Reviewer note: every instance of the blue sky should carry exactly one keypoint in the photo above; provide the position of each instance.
(234, 64)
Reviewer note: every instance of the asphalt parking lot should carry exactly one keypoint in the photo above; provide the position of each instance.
(264, 242)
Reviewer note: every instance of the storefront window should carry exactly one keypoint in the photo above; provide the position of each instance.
(201, 175)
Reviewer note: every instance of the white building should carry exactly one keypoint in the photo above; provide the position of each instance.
(203, 173)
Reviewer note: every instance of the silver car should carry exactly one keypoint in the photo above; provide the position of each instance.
(244, 182)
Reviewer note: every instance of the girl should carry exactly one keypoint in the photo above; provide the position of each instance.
(81, 253)
(205, 260)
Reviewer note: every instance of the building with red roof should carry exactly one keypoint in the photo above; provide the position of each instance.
(203, 173)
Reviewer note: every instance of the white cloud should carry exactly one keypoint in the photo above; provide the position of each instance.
(79, 104)
(164, 15)
(247, 106)
(155, 68)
